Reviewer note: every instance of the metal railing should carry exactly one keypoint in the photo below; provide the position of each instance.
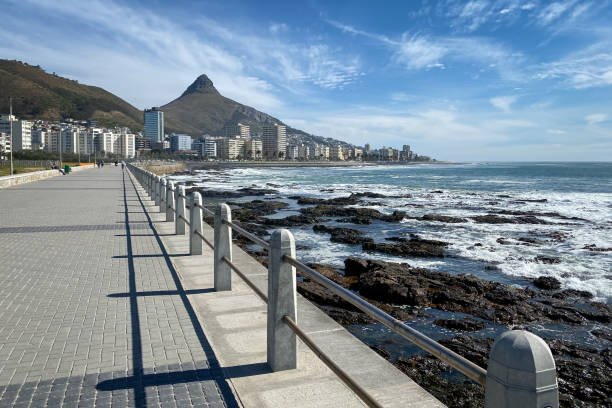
(281, 252)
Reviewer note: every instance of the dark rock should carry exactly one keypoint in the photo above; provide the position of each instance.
(338, 211)
(466, 324)
(355, 220)
(547, 283)
(496, 219)
(492, 219)
(344, 235)
(443, 218)
(291, 221)
(503, 241)
(528, 240)
(594, 248)
(492, 268)
(603, 334)
(549, 260)
(542, 200)
(355, 266)
(250, 191)
(413, 247)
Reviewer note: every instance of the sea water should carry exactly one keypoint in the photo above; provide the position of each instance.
(580, 193)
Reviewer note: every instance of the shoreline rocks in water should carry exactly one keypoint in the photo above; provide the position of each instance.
(415, 247)
(344, 235)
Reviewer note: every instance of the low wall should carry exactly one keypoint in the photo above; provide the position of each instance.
(16, 179)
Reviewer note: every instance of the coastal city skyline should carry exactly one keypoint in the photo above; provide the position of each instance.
(478, 80)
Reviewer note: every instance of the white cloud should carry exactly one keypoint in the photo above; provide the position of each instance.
(503, 102)
(588, 68)
(276, 28)
(416, 52)
(555, 131)
(596, 118)
(553, 11)
(528, 6)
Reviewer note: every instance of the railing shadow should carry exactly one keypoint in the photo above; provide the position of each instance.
(139, 380)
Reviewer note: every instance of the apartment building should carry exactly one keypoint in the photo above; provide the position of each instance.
(274, 141)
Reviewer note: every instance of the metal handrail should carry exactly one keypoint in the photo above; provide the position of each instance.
(247, 234)
(246, 280)
(455, 360)
(357, 389)
(184, 219)
(209, 212)
(199, 234)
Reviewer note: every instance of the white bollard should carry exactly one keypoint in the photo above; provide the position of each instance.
(162, 195)
(158, 187)
(223, 248)
(179, 226)
(196, 244)
(282, 342)
(170, 201)
(521, 373)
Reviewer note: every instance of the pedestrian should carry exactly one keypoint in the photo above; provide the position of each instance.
(102, 163)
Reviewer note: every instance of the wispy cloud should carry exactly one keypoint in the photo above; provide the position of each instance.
(554, 10)
(503, 103)
(596, 118)
(276, 28)
(588, 68)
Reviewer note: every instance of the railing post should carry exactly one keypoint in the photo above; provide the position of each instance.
(223, 248)
(282, 342)
(158, 192)
(179, 226)
(162, 195)
(196, 244)
(169, 201)
(521, 372)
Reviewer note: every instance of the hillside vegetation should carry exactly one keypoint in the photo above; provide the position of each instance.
(40, 95)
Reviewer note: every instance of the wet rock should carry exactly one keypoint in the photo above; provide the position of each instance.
(355, 220)
(434, 376)
(524, 200)
(492, 219)
(415, 247)
(503, 241)
(496, 219)
(355, 266)
(443, 218)
(603, 334)
(291, 221)
(532, 241)
(492, 268)
(594, 248)
(573, 293)
(466, 324)
(338, 211)
(344, 235)
(547, 283)
(549, 260)
(251, 191)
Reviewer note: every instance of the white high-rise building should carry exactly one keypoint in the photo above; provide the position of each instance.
(22, 132)
(243, 131)
(154, 124)
(274, 141)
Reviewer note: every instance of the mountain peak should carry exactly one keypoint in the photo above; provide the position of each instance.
(202, 84)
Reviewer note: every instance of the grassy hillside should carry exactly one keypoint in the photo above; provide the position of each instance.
(47, 96)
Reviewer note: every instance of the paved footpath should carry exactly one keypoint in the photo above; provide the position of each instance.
(92, 313)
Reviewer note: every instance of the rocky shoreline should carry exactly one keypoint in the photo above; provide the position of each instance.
(407, 292)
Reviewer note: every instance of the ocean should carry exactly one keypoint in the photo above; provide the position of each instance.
(573, 200)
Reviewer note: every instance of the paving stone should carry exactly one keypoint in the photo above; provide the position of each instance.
(90, 312)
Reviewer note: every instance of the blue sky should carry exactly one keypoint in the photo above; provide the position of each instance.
(457, 80)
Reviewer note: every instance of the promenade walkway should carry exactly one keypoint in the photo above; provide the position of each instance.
(92, 312)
